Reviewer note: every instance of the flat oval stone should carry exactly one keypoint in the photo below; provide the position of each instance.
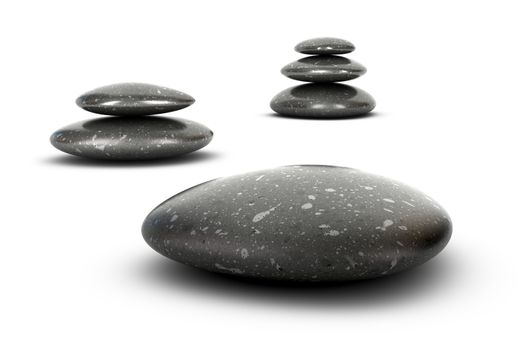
(133, 99)
(323, 69)
(324, 46)
(131, 138)
(329, 100)
(300, 223)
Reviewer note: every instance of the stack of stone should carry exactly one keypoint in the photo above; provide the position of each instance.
(131, 132)
(324, 98)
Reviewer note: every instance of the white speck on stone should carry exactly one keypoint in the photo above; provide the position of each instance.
(244, 253)
(259, 177)
(386, 209)
(324, 226)
(386, 224)
(388, 200)
(311, 197)
(306, 206)
(393, 263)
(361, 253)
(230, 269)
(275, 264)
(330, 190)
(332, 233)
(408, 203)
(403, 228)
(263, 214)
(399, 243)
(368, 188)
(221, 233)
(173, 218)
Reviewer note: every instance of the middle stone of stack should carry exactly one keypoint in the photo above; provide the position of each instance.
(324, 69)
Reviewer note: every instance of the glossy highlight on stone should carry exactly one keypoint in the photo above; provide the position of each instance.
(330, 100)
(323, 69)
(324, 46)
(300, 223)
(133, 99)
(131, 138)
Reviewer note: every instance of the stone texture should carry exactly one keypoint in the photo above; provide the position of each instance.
(329, 100)
(133, 99)
(131, 138)
(300, 223)
(324, 46)
(323, 69)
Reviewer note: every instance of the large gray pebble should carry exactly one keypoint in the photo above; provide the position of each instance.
(300, 223)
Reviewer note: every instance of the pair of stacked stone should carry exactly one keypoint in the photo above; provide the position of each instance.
(132, 131)
(324, 97)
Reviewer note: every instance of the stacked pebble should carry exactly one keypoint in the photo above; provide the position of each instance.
(131, 133)
(324, 98)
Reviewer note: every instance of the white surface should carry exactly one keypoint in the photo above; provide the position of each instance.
(76, 273)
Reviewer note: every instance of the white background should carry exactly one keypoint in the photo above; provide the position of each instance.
(76, 273)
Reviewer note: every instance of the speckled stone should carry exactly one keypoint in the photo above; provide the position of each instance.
(329, 100)
(133, 99)
(301, 223)
(131, 138)
(324, 46)
(323, 69)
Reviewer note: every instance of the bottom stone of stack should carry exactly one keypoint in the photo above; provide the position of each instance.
(131, 138)
(330, 100)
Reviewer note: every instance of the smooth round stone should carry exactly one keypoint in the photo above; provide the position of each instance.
(329, 100)
(324, 46)
(133, 99)
(131, 138)
(323, 69)
(300, 223)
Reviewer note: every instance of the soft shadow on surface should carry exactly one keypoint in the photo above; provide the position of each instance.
(70, 160)
(419, 282)
(362, 116)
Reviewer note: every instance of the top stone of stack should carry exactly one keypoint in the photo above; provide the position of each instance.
(325, 46)
(133, 99)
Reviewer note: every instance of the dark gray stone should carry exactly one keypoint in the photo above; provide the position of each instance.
(324, 46)
(131, 138)
(323, 69)
(301, 223)
(133, 99)
(329, 100)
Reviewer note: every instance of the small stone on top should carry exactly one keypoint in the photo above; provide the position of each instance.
(325, 46)
(133, 99)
